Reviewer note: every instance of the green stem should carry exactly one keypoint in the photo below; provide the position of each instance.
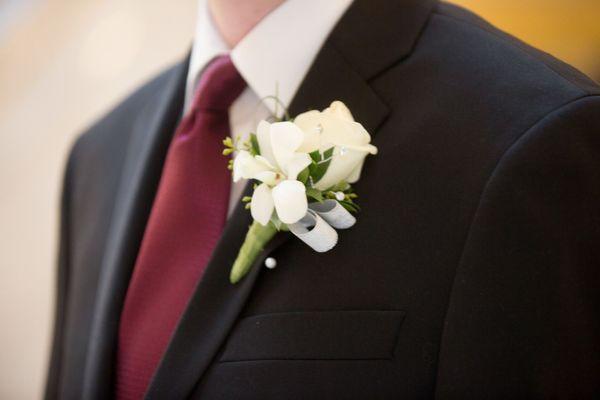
(256, 239)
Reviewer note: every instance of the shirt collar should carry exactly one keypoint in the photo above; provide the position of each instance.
(276, 54)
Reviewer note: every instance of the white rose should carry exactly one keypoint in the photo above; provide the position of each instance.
(335, 127)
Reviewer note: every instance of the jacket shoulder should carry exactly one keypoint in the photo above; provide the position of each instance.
(511, 55)
(111, 132)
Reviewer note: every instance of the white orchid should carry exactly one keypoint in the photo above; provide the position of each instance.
(277, 167)
(335, 127)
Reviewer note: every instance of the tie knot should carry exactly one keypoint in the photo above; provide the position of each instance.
(219, 86)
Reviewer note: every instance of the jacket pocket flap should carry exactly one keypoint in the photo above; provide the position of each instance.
(315, 335)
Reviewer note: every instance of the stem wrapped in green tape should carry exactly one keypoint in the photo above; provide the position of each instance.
(257, 237)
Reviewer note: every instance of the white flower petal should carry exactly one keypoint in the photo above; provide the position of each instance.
(265, 161)
(340, 132)
(339, 110)
(290, 201)
(238, 167)
(310, 123)
(286, 138)
(298, 162)
(268, 177)
(264, 141)
(367, 148)
(261, 206)
(245, 166)
(355, 174)
(340, 168)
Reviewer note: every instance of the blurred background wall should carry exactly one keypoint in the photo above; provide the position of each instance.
(63, 63)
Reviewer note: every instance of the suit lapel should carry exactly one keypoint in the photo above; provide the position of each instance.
(212, 310)
(353, 54)
(146, 151)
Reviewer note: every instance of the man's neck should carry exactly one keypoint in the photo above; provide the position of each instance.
(235, 18)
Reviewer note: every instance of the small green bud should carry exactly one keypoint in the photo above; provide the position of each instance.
(228, 142)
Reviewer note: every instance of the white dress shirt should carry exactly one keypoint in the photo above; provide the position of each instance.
(273, 58)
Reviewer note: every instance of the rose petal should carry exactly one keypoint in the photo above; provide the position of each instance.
(290, 201)
(340, 167)
(310, 123)
(355, 174)
(367, 148)
(339, 110)
(261, 206)
(340, 132)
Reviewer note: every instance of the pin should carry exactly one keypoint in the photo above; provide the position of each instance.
(270, 262)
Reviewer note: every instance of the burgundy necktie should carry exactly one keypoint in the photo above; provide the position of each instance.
(186, 221)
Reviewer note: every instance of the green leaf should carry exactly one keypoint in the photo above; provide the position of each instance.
(328, 153)
(254, 147)
(341, 187)
(352, 207)
(318, 168)
(314, 194)
(303, 175)
(315, 155)
(276, 221)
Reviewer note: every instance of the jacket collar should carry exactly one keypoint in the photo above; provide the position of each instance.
(376, 34)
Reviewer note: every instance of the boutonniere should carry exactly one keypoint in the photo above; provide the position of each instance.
(304, 170)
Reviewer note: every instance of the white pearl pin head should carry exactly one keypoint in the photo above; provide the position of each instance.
(270, 262)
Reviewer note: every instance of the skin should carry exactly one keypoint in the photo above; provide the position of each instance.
(235, 18)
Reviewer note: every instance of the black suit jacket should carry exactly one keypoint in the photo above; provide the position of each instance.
(472, 271)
